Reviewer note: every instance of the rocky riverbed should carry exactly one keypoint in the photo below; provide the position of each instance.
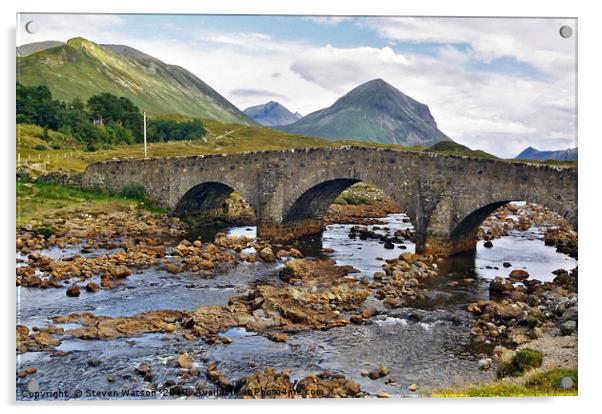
(136, 305)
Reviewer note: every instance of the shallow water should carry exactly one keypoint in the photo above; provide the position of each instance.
(427, 344)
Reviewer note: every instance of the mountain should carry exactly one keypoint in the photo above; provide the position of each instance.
(530, 153)
(81, 68)
(374, 111)
(272, 114)
(31, 48)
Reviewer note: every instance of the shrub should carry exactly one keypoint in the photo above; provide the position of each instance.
(40, 147)
(352, 198)
(44, 231)
(521, 361)
(56, 146)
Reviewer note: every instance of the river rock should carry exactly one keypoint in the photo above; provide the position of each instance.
(369, 312)
(295, 253)
(567, 328)
(380, 372)
(143, 368)
(500, 286)
(267, 255)
(94, 362)
(519, 275)
(488, 244)
(120, 271)
(92, 287)
(185, 361)
(173, 268)
(571, 314)
(278, 336)
(413, 387)
(485, 363)
(73, 291)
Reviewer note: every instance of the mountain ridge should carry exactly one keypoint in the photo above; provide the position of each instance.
(530, 153)
(81, 68)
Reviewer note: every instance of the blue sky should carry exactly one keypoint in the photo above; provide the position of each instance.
(496, 84)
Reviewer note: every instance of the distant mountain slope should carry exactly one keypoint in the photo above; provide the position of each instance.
(374, 111)
(31, 48)
(80, 69)
(272, 114)
(530, 153)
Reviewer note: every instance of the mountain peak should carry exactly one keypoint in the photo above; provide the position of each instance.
(272, 114)
(373, 111)
(79, 42)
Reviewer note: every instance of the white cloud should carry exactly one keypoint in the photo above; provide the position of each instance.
(65, 26)
(497, 112)
(535, 40)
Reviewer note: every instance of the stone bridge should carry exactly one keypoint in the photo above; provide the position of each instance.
(446, 197)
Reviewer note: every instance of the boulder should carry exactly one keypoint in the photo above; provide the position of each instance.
(519, 275)
(173, 268)
(73, 291)
(567, 328)
(185, 361)
(278, 336)
(267, 255)
(485, 363)
(500, 286)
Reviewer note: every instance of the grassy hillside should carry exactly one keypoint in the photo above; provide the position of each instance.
(60, 151)
(80, 69)
(63, 152)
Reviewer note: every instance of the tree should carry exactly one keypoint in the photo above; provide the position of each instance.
(35, 106)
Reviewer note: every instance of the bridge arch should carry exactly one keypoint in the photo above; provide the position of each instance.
(209, 199)
(305, 207)
(203, 198)
(314, 202)
(463, 235)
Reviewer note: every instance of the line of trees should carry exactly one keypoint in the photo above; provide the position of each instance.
(104, 120)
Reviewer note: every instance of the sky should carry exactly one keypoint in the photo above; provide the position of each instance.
(496, 84)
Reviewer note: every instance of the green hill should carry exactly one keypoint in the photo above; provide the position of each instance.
(81, 68)
(453, 148)
(374, 112)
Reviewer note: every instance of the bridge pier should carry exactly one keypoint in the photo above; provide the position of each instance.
(292, 230)
(445, 246)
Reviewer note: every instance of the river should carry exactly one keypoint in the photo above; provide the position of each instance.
(426, 344)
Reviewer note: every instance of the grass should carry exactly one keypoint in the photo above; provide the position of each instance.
(453, 148)
(220, 139)
(36, 201)
(357, 194)
(522, 361)
(545, 383)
